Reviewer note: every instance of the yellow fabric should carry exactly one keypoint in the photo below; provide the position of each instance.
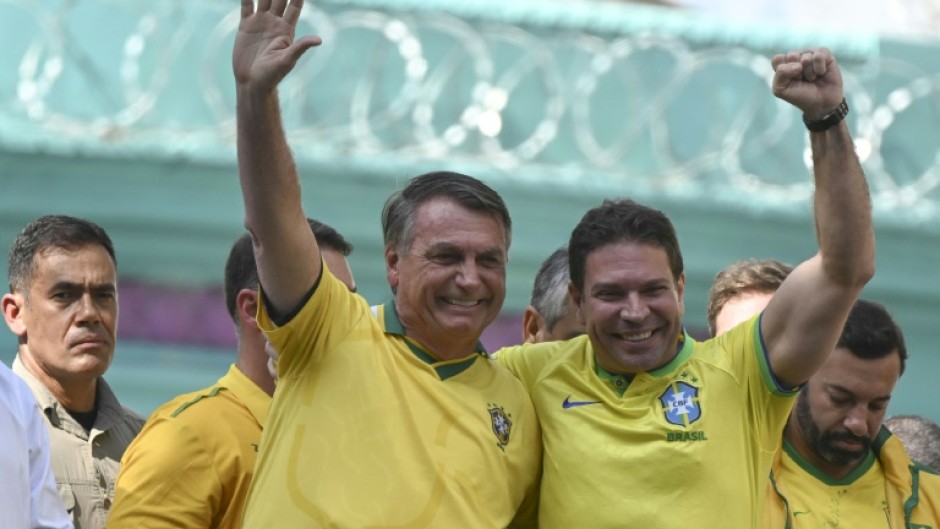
(847, 504)
(192, 463)
(908, 506)
(364, 433)
(85, 463)
(688, 445)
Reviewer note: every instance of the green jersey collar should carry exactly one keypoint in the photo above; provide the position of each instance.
(445, 368)
(620, 382)
(811, 469)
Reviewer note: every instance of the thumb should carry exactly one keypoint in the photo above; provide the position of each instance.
(301, 45)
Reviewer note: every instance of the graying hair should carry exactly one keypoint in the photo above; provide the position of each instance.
(550, 291)
(920, 437)
(398, 216)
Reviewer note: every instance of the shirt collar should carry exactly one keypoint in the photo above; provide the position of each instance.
(247, 392)
(393, 325)
(109, 409)
(445, 369)
(620, 382)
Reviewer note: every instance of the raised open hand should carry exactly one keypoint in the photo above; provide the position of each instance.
(265, 49)
(809, 80)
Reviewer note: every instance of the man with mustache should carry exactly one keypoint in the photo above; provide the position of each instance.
(63, 308)
(838, 467)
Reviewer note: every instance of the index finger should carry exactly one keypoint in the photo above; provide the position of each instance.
(819, 63)
(248, 8)
(292, 13)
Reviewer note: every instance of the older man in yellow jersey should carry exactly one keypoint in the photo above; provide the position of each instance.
(396, 418)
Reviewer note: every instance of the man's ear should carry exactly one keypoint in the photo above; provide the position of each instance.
(576, 301)
(532, 324)
(680, 293)
(12, 305)
(391, 267)
(246, 308)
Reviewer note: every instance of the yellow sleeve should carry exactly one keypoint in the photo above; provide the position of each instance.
(167, 479)
(326, 319)
(770, 403)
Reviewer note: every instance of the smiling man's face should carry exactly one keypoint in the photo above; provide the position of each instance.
(632, 306)
(451, 281)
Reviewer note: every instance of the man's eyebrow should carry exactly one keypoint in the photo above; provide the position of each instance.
(66, 285)
(495, 251)
(842, 389)
(71, 285)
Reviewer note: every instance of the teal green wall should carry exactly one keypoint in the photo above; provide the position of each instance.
(122, 112)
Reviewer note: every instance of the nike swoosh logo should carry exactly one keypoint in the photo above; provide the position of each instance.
(575, 403)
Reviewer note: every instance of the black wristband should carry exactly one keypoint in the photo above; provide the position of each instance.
(829, 120)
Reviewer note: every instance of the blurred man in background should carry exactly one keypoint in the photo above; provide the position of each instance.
(192, 464)
(551, 315)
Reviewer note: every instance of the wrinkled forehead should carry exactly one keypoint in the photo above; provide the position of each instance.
(86, 259)
(444, 221)
(864, 377)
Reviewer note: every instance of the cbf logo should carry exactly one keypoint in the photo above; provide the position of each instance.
(502, 425)
(680, 404)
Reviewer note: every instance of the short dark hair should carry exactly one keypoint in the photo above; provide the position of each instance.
(621, 220)
(761, 276)
(51, 231)
(870, 333)
(398, 215)
(550, 290)
(241, 271)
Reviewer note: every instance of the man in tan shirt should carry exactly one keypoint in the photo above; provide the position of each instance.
(63, 308)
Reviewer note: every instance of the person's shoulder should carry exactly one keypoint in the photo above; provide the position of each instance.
(534, 360)
(14, 389)
(743, 339)
(195, 405)
(182, 419)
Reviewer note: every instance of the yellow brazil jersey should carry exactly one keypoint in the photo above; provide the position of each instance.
(368, 430)
(687, 445)
(191, 465)
(814, 500)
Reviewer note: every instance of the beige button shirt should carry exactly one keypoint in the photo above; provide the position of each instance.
(85, 464)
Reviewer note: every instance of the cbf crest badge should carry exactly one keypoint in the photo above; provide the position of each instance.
(502, 425)
(680, 404)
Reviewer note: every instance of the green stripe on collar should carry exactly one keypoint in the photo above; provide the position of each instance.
(684, 352)
(392, 321)
(811, 469)
(620, 382)
(444, 369)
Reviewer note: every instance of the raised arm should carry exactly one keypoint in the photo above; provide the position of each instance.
(265, 52)
(803, 321)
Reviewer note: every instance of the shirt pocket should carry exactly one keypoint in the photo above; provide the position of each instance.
(67, 497)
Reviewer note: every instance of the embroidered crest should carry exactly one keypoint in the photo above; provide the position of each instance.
(680, 404)
(502, 425)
